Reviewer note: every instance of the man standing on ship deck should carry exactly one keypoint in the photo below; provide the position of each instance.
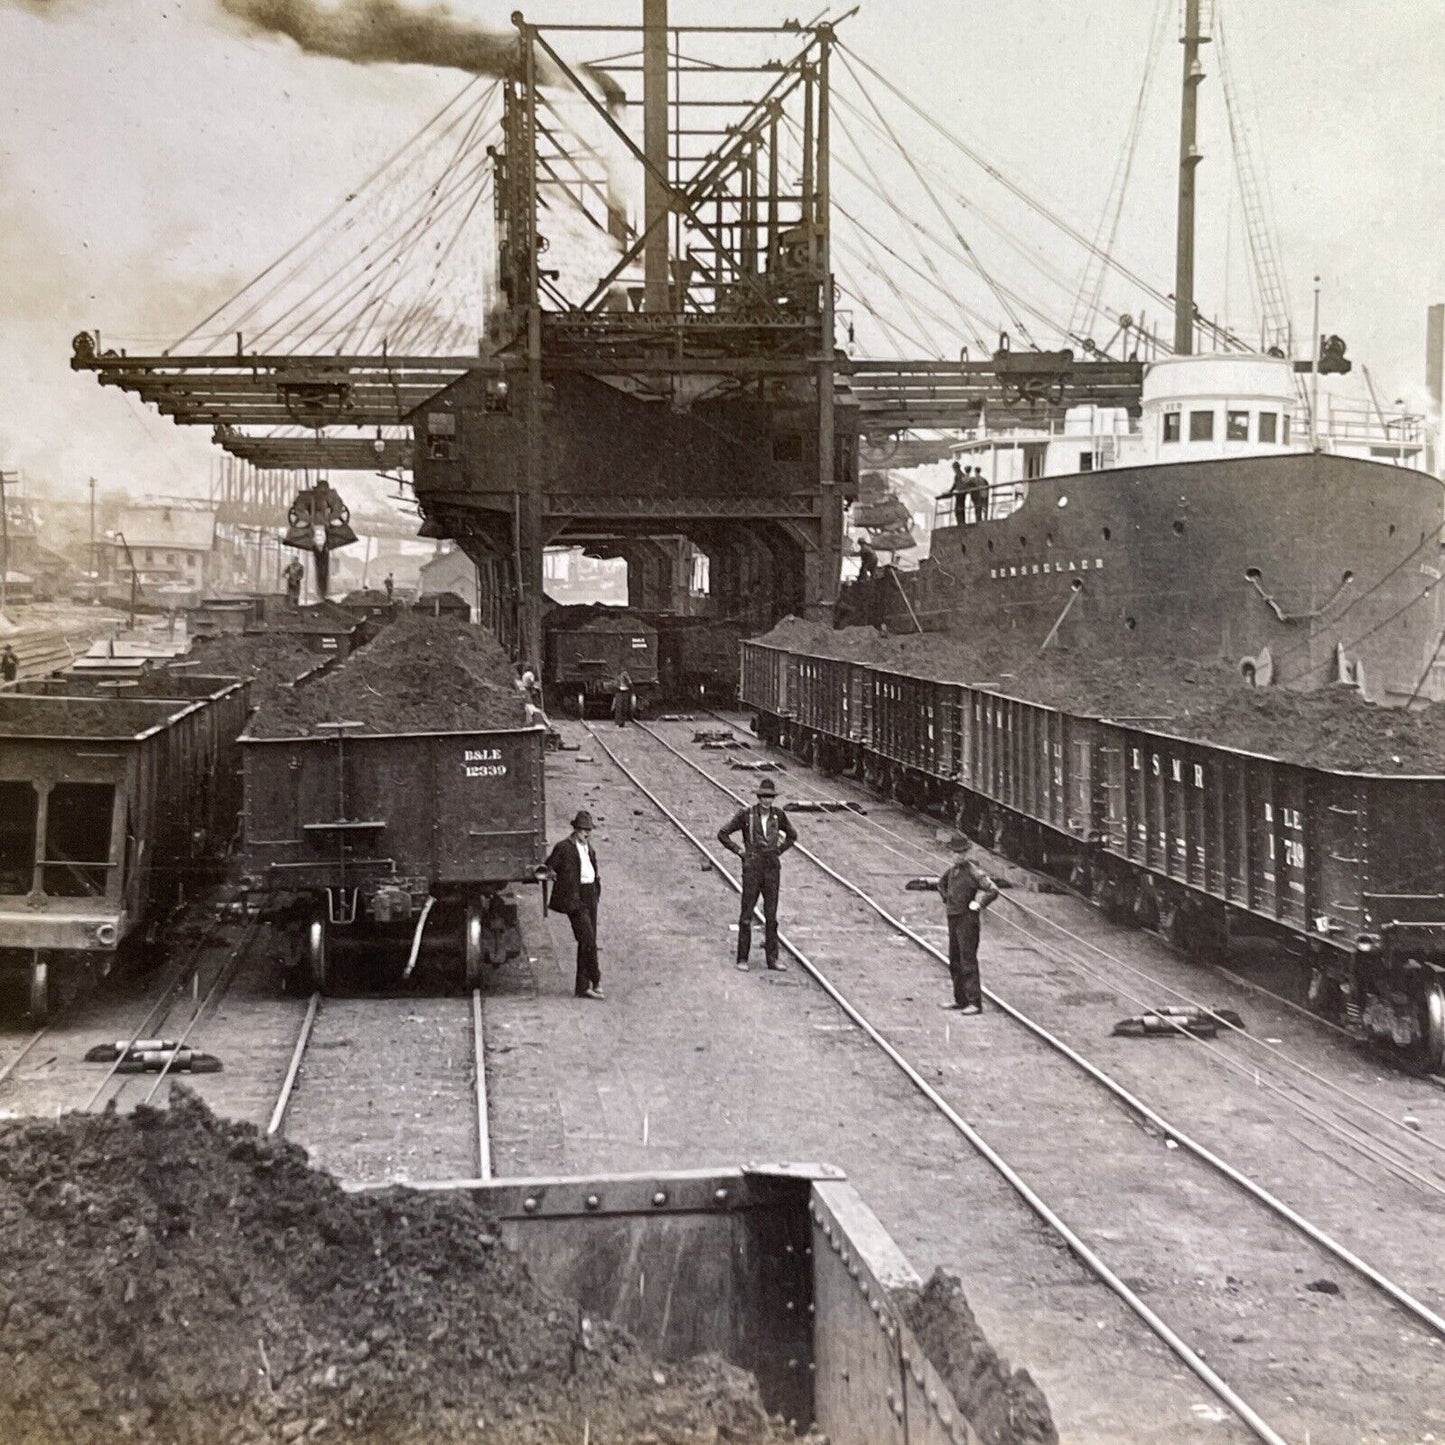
(767, 835)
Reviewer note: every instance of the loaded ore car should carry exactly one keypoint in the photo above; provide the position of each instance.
(586, 649)
(697, 658)
(401, 793)
(1203, 841)
(108, 807)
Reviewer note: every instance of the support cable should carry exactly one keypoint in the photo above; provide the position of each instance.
(331, 215)
(938, 205)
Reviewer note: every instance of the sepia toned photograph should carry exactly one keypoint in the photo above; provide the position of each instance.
(722, 724)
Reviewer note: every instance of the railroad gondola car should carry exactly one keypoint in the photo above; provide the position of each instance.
(108, 808)
(587, 648)
(697, 658)
(366, 835)
(1198, 840)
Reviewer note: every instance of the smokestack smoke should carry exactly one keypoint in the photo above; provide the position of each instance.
(375, 32)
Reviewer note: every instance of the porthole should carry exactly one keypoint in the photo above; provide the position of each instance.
(1252, 574)
(1106, 534)
(1130, 623)
(1179, 529)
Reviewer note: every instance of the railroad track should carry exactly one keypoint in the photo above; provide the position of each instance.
(48, 1071)
(1394, 1144)
(1131, 1165)
(1378, 1137)
(389, 1090)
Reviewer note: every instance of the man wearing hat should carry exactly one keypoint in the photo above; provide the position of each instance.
(767, 835)
(966, 891)
(576, 887)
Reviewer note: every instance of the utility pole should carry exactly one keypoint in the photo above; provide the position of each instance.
(94, 565)
(4, 541)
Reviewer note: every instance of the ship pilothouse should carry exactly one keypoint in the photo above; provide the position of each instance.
(1207, 407)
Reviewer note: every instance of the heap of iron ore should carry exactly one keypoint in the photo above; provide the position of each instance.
(174, 1278)
(1332, 728)
(422, 674)
(272, 660)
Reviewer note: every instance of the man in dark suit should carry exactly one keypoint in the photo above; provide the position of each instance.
(576, 887)
(767, 835)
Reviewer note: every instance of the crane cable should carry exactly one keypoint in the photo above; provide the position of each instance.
(932, 195)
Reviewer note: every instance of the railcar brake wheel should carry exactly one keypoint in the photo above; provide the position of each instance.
(318, 949)
(40, 993)
(475, 960)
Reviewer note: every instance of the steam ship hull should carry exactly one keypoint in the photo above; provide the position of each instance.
(1311, 557)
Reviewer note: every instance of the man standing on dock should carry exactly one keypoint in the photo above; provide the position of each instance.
(9, 664)
(295, 574)
(966, 891)
(767, 835)
(576, 887)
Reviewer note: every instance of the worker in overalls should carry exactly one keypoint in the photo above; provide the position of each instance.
(767, 834)
(966, 891)
(294, 574)
(624, 700)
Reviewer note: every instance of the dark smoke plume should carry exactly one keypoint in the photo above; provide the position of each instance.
(374, 32)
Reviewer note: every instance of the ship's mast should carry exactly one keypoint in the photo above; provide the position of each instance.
(1189, 159)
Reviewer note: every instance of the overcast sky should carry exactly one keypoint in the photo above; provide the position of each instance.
(155, 156)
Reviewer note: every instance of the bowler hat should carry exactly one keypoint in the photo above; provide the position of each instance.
(959, 843)
(767, 788)
(583, 820)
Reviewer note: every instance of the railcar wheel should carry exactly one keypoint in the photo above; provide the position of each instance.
(1432, 1026)
(42, 1000)
(472, 953)
(318, 950)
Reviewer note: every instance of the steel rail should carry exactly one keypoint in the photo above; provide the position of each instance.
(1417, 1308)
(293, 1069)
(147, 1024)
(1283, 1059)
(224, 975)
(15, 1062)
(1077, 1245)
(484, 1142)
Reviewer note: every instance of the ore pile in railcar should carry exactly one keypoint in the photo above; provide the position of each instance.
(407, 780)
(1334, 728)
(272, 661)
(1173, 793)
(213, 1288)
(587, 647)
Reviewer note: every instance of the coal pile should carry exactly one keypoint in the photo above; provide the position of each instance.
(594, 617)
(422, 674)
(1332, 728)
(174, 1278)
(23, 716)
(1004, 1406)
(274, 661)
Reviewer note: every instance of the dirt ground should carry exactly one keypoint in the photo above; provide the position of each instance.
(688, 1062)
(169, 1276)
